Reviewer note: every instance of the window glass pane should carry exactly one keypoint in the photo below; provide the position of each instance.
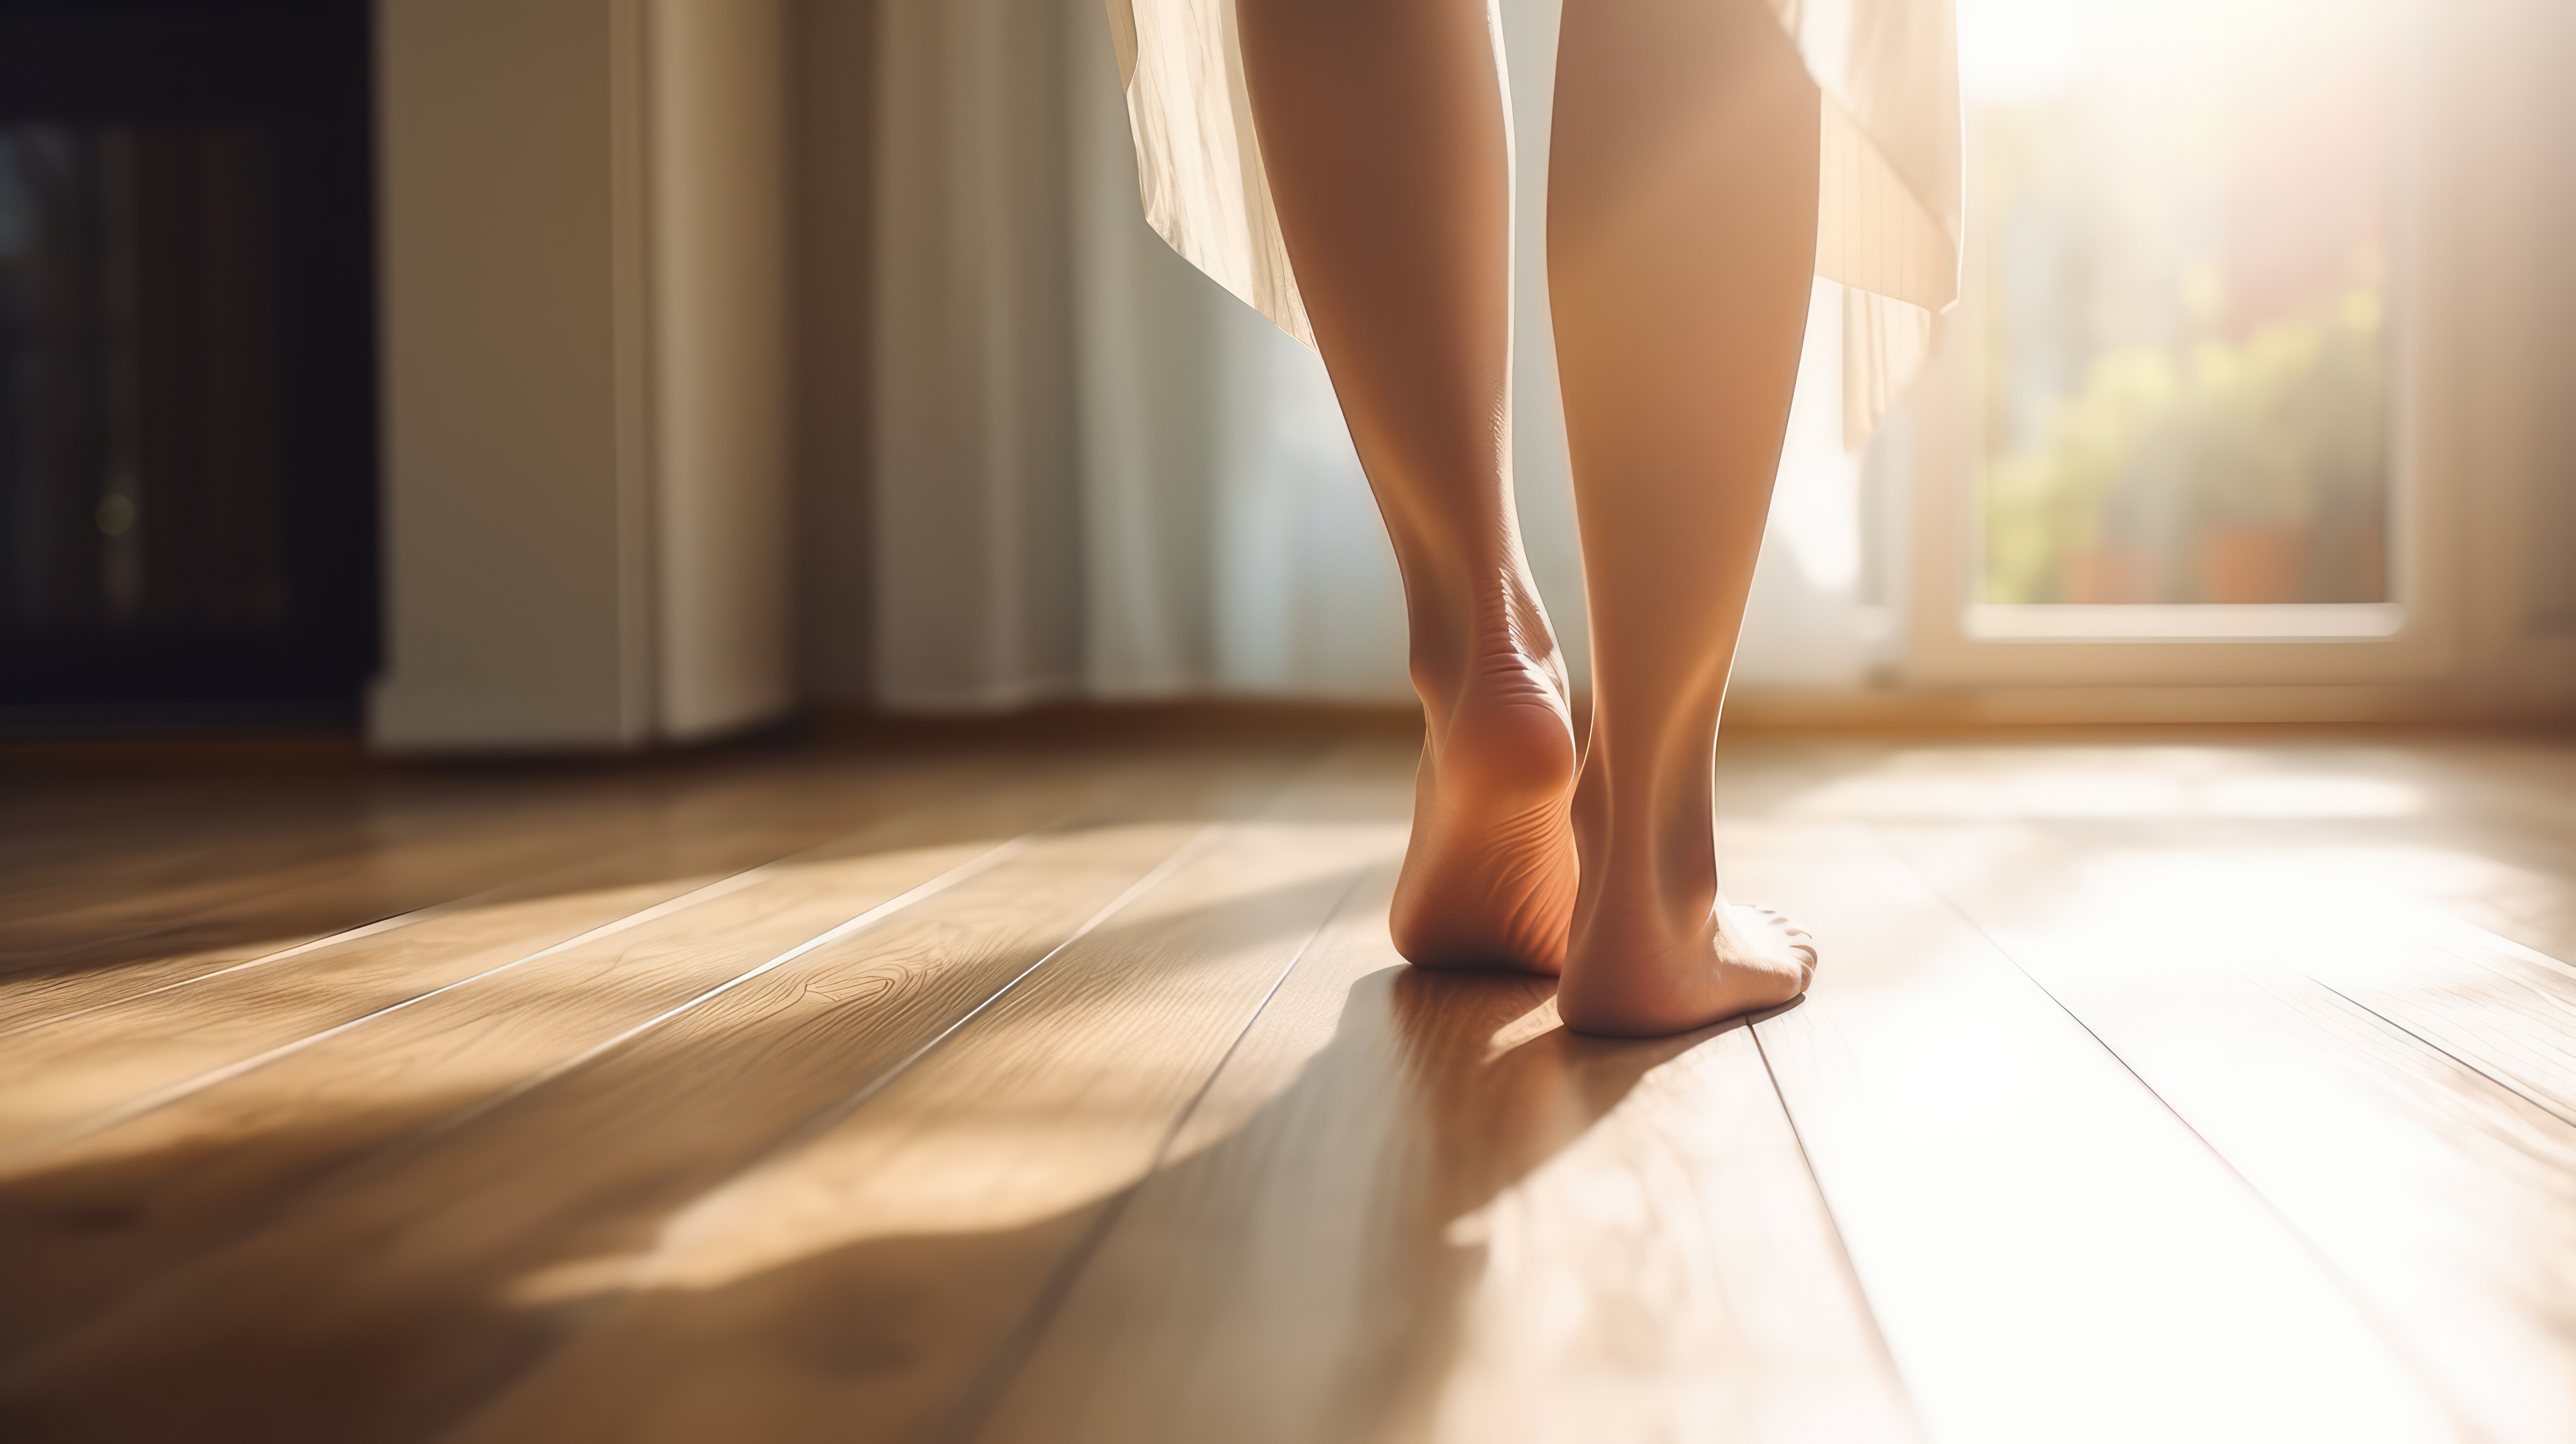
(2182, 226)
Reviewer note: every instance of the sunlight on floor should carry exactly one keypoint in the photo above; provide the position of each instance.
(2149, 783)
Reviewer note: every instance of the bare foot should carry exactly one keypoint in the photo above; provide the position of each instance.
(1489, 874)
(1742, 960)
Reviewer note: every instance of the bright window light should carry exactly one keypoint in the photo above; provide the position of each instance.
(2181, 240)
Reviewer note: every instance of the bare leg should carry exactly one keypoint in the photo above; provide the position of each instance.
(1384, 129)
(1681, 240)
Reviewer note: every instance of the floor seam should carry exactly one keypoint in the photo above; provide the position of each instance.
(1834, 1222)
(2380, 1325)
(2544, 1105)
(163, 1097)
(984, 1391)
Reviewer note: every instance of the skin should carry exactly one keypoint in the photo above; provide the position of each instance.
(1681, 239)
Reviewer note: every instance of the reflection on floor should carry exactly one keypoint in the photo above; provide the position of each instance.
(1063, 1087)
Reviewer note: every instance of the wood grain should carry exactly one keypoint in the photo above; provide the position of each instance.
(2404, 1092)
(375, 1312)
(89, 1218)
(234, 881)
(861, 1285)
(2049, 1251)
(1057, 1082)
(1413, 1207)
(95, 1066)
(216, 863)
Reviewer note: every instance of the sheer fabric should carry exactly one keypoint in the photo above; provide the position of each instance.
(1888, 196)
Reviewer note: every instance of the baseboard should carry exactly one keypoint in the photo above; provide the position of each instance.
(1752, 710)
(1953, 708)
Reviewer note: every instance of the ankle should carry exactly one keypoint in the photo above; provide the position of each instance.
(1621, 920)
(1483, 636)
(1648, 844)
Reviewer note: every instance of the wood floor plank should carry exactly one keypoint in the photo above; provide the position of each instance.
(84, 1222)
(110, 845)
(2511, 808)
(2484, 830)
(413, 1284)
(112, 1210)
(2050, 1252)
(381, 864)
(126, 838)
(2198, 1087)
(76, 1073)
(225, 881)
(858, 1286)
(1412, 1207)
(404, 1068)
(2405, 1095)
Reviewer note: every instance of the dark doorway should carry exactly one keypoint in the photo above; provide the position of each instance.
(187, 359)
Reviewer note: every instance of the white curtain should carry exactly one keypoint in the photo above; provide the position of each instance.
(1097, 474)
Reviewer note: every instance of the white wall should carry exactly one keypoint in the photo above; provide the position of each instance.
(510, 578)
(2503, 166)
(587, 455)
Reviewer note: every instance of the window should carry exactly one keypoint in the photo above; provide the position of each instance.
(2177, 387)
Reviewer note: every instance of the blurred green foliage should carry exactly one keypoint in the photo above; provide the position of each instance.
(2281, 429)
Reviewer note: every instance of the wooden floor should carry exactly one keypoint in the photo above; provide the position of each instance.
(1060, 1084)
